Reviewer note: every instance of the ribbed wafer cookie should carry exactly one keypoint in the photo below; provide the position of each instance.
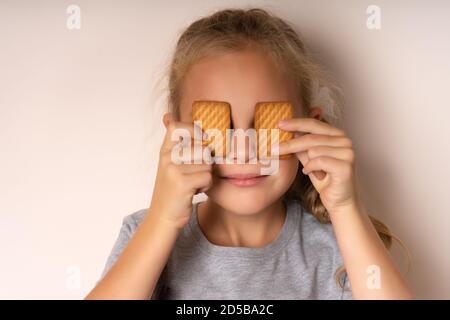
(213, 115)
(267, 115)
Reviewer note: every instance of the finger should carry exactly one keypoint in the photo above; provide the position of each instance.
(340, 153)
(199, 180)
(320, 174)
(304, 158)
(191, 154)
(180, 131)
(310, 125)
(307, 141)
(193, 168)
(327, 164)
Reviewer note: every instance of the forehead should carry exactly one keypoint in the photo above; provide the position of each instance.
(240, 78)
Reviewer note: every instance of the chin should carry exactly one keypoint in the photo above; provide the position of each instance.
(252, 198)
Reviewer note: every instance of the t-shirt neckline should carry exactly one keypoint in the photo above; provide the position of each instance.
(272, 248)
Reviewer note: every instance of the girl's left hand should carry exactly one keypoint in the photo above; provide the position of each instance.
(327, 158)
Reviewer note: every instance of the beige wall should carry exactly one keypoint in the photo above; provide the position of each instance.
(80, 128)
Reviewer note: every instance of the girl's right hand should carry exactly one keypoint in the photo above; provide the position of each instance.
(177, 183)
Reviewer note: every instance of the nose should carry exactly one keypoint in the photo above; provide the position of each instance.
(243, 141)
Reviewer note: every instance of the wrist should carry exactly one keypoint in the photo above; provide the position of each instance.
(351, 207)
(161, 224)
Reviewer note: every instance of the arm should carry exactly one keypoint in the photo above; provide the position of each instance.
(134, 275)
(361, 248)
(137, 270)
(327, 157)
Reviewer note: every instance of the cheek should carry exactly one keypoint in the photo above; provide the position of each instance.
(185, 115)
(287, 172)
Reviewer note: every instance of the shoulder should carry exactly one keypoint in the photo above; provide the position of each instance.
(319, 245)
(132, 221)
(314, 235)
(129, 225)
(311, 226)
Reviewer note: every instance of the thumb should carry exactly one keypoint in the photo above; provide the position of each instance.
(303, 157)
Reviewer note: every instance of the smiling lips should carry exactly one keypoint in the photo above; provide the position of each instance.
(244, 180)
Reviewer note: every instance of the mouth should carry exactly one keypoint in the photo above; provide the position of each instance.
(244, 180)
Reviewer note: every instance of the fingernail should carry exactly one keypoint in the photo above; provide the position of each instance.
(281, 123)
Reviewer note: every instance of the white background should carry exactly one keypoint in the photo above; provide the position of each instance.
(80, 126)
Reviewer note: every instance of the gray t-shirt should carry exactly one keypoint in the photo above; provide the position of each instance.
(299, 264)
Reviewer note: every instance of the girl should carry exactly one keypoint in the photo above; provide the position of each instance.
(301, 233)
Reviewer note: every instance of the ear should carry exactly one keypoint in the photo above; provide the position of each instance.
(167, 118)
(316, 113)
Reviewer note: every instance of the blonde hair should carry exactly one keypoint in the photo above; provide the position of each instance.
(235, 29)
